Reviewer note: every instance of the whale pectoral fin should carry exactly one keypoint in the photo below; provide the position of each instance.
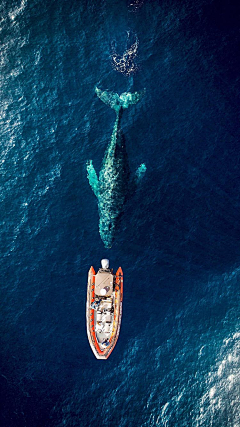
(140, 172)
(92, 177)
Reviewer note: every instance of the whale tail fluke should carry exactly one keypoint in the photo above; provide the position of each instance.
(116, 101)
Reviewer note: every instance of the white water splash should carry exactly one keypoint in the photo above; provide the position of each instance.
(15, 12)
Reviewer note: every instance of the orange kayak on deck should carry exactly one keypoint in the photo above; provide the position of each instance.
(104, 309)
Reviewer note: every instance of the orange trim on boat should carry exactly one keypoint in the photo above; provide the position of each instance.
(117, 314)
(92, 328)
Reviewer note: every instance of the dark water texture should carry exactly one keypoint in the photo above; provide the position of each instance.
(177, 359)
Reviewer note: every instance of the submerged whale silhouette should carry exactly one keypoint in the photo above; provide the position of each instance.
(113, 184)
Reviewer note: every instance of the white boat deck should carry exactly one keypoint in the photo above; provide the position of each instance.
(104, 320)
(103, 312)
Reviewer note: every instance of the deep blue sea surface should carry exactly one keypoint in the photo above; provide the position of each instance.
(177, 360)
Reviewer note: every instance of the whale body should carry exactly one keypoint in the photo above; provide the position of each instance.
(113, 184)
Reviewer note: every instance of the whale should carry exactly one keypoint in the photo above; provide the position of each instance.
(114, 182)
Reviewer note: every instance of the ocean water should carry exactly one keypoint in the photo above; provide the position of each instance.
(177, 359)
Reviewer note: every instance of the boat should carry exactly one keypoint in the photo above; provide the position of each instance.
(104, 309)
